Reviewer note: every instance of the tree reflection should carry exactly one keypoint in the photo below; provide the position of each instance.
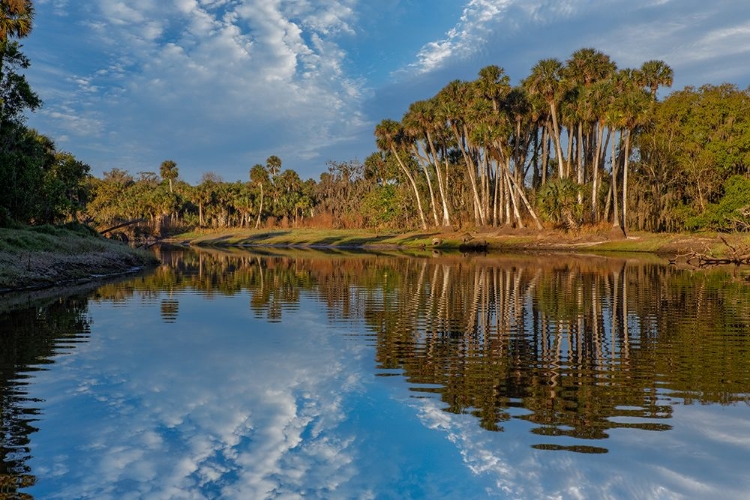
(29, 337)
(584, 344)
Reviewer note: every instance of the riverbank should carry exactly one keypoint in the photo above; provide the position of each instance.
(490, 239)
(43, 257)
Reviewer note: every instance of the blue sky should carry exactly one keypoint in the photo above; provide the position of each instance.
(220, 85)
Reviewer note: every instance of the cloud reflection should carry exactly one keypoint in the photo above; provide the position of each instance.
(637, 470)
(223, 414)
(221, 404)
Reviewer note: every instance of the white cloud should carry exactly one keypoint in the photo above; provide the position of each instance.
(222, 84)
(195, 73)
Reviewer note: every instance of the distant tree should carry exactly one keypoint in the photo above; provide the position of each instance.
(273, 163)
(169, 172)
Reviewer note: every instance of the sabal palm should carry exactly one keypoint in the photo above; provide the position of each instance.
(273, 163)
(546, 81)
(389, 136)
(656, 73)
(634, 105)
(588, 66)
(420, 123)
(16, 18)
(259, 176)
(169, 171)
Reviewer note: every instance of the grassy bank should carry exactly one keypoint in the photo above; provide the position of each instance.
(491, 239)
(45, 256)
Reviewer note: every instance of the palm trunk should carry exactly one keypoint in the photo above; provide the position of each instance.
(414, 187)
(441, 182)
(625, 183)
(471, 167)
(581, 167)
(556, 138)
(615, 162)
(260, 209)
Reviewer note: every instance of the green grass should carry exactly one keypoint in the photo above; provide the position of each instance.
(34, 257)
(497, 240)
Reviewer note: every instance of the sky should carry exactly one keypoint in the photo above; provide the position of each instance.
(220, 85)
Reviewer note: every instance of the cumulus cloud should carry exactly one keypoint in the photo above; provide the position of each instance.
(500, 31)
(218, 85)
(256, 77)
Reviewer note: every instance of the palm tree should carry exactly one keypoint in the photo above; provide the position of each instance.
(546, 80)
(656, 73)
(259, 176)
(586, 68)
(634, 105)
(453, 101)
(598, 97)
(421, 123)
(16, 18)
(169, 171)
(273, 163)
(389, 136)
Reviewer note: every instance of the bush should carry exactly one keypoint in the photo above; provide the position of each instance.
(731, 213)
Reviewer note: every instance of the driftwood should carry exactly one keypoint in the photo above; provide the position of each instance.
(737, 256)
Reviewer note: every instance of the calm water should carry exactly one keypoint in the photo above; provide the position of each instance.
(324, 375)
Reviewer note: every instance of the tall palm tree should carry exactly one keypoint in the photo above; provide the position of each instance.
(16, 18)
(389, 136)
(546, 80)
(634, 106)
(598, 96)
(585, 68)
(273, 163)
(454, 100)
(259, 176)
(422, 122)
(588, 66)
(169, 171)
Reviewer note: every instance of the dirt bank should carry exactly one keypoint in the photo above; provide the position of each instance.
(33, 259)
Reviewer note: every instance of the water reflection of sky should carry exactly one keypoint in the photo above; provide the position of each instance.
(220, 404)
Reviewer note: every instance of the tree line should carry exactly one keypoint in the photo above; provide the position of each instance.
(576, 143)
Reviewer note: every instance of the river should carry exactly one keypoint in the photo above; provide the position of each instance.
(323, 374)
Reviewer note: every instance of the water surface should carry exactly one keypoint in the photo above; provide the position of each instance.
(325, 375)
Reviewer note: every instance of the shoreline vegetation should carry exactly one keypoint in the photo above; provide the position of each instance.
(43, 257)
(49, 257)
(491, 240)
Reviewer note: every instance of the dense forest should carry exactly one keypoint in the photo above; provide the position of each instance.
(576, 143)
